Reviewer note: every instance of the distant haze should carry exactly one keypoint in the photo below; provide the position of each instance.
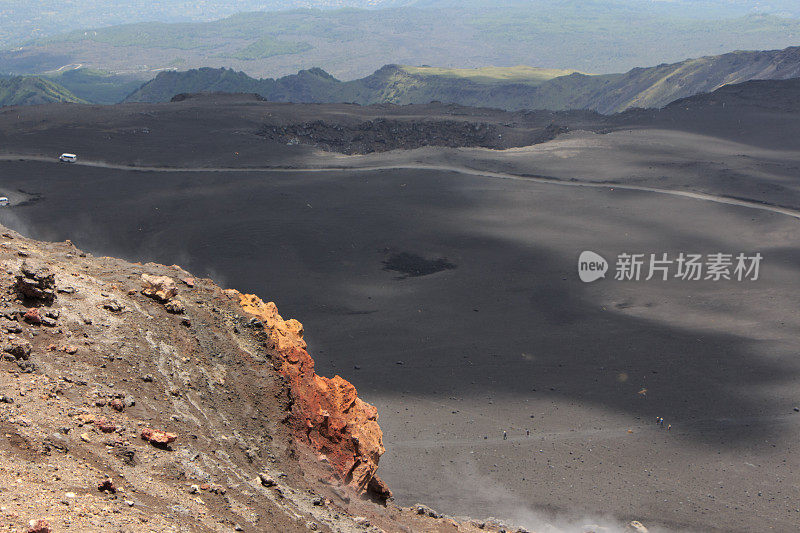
(352, 38)
(22, 20)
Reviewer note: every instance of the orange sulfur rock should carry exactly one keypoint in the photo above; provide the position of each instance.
(327, 412)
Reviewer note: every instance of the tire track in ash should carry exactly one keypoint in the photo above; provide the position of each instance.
(719, 199)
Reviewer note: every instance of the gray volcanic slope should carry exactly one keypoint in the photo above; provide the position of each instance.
(500, 334)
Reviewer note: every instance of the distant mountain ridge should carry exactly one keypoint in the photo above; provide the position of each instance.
(512, 89)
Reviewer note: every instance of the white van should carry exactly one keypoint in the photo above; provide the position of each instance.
(3, 201)
(68, 158)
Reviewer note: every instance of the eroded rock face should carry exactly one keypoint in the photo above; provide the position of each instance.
(327, 412)
(36, 282)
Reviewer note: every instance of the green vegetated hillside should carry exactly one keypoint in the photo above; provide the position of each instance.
(509, 88)
(32, 90)
(97, 87)
(269, 47)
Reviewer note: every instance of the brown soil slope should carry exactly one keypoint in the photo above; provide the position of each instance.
(163, 405)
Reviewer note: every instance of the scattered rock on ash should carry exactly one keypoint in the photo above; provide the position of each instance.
(26, 367)
(427, 511)
(127, 456)
(217, 489)
(113, 306)
(104, 425)
(10, 327)
(55, 442)
(174, 306)
(107, 485)
(10, 314)
(267, 480)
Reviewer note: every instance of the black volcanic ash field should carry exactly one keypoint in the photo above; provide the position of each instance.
(452, 302)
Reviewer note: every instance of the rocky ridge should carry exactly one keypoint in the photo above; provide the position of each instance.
(119, 413)
(326, 413)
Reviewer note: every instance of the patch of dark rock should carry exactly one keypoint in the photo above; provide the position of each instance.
(382, 135)
(413, 265)
(126, 455)
(32, 198)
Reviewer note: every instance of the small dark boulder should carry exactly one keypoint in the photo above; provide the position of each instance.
(36, 283)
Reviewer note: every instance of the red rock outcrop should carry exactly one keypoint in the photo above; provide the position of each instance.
(156, 436)
(327, 412)
(32, 316)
